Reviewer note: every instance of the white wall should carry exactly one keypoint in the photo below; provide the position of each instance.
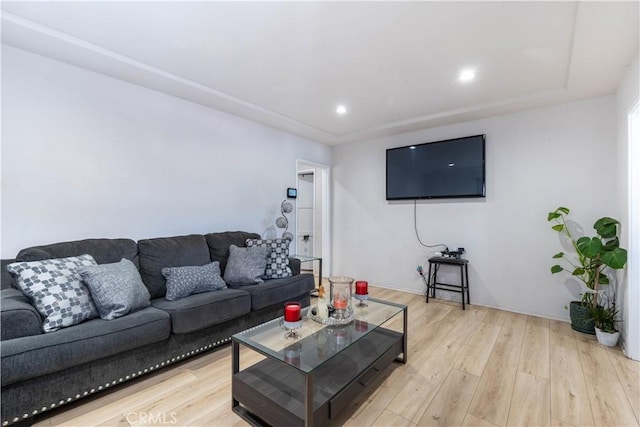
(85, 155)
(536, 161)
(629, 207)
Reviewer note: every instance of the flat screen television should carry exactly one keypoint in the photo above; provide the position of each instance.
(441, 169)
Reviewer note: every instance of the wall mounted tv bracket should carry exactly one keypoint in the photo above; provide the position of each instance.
(453, 254)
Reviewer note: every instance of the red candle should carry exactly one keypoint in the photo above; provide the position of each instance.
(362, 287)
(339, 302)
(292, 311)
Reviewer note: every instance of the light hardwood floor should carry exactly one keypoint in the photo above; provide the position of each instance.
(479, 367)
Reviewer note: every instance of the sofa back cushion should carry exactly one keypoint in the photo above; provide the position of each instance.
(219, 244)
(179, 251)
(104, 251)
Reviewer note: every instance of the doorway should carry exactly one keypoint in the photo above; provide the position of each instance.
(312, 216)
(633, 279)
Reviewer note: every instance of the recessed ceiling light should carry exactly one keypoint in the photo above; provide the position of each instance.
(341, 109)
(467, 75)
(451, 165)
(413, 147)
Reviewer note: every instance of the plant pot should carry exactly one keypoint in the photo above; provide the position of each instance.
(581, 319)
(610, 339)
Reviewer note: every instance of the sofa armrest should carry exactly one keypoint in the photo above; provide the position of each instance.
(294, 265)
(17, 316)
(5, 277)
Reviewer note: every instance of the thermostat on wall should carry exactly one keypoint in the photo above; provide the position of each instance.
(292, 193)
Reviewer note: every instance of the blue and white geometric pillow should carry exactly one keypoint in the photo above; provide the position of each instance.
(56, 290)
(277, 259)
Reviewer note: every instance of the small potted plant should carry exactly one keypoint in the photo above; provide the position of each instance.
(605, 319)
(593, 257)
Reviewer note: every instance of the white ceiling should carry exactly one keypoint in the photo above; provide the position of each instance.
(393, 64)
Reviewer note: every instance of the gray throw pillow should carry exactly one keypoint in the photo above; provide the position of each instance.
(277, 259)
(185, 281)
(246, 266)
(56, 290)
(117, 288)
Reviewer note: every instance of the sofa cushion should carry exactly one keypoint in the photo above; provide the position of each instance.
(277, 258)
(116, 288)
(190, 280)
(56, 289)
(201, 310)
(179, 251)
(18, 317)
(246, 266)
(104, 251)
(219, 244)
(30, 357)
(278, 291)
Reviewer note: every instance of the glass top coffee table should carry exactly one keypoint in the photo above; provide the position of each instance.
(309, 380)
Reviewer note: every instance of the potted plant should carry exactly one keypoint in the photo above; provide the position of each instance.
(605, 319)
(593, 257)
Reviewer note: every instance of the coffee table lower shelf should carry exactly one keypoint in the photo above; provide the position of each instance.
(271, 392)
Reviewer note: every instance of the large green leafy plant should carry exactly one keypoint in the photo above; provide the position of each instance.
(593, 255)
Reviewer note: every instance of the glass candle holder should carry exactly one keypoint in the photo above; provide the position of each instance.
(340, 291)
(362, 292)
(292, 319)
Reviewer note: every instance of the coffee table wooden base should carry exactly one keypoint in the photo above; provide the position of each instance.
(272, 392)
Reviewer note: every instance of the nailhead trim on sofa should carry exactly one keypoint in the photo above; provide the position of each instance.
(120, 380)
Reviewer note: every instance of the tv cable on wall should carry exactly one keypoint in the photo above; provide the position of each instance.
(415, 227)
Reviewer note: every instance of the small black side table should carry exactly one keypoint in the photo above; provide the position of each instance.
(432, 284)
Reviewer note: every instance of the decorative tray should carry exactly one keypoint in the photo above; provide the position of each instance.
(313, 315)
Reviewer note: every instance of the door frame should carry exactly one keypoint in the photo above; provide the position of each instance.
(632, 303)
(322, 175)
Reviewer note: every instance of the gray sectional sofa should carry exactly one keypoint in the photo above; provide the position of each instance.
(42, 371)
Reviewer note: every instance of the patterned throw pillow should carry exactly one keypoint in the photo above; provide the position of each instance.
(278, 258)
(116, 288)
(245, 266)
(185, 281)
(56, 290)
